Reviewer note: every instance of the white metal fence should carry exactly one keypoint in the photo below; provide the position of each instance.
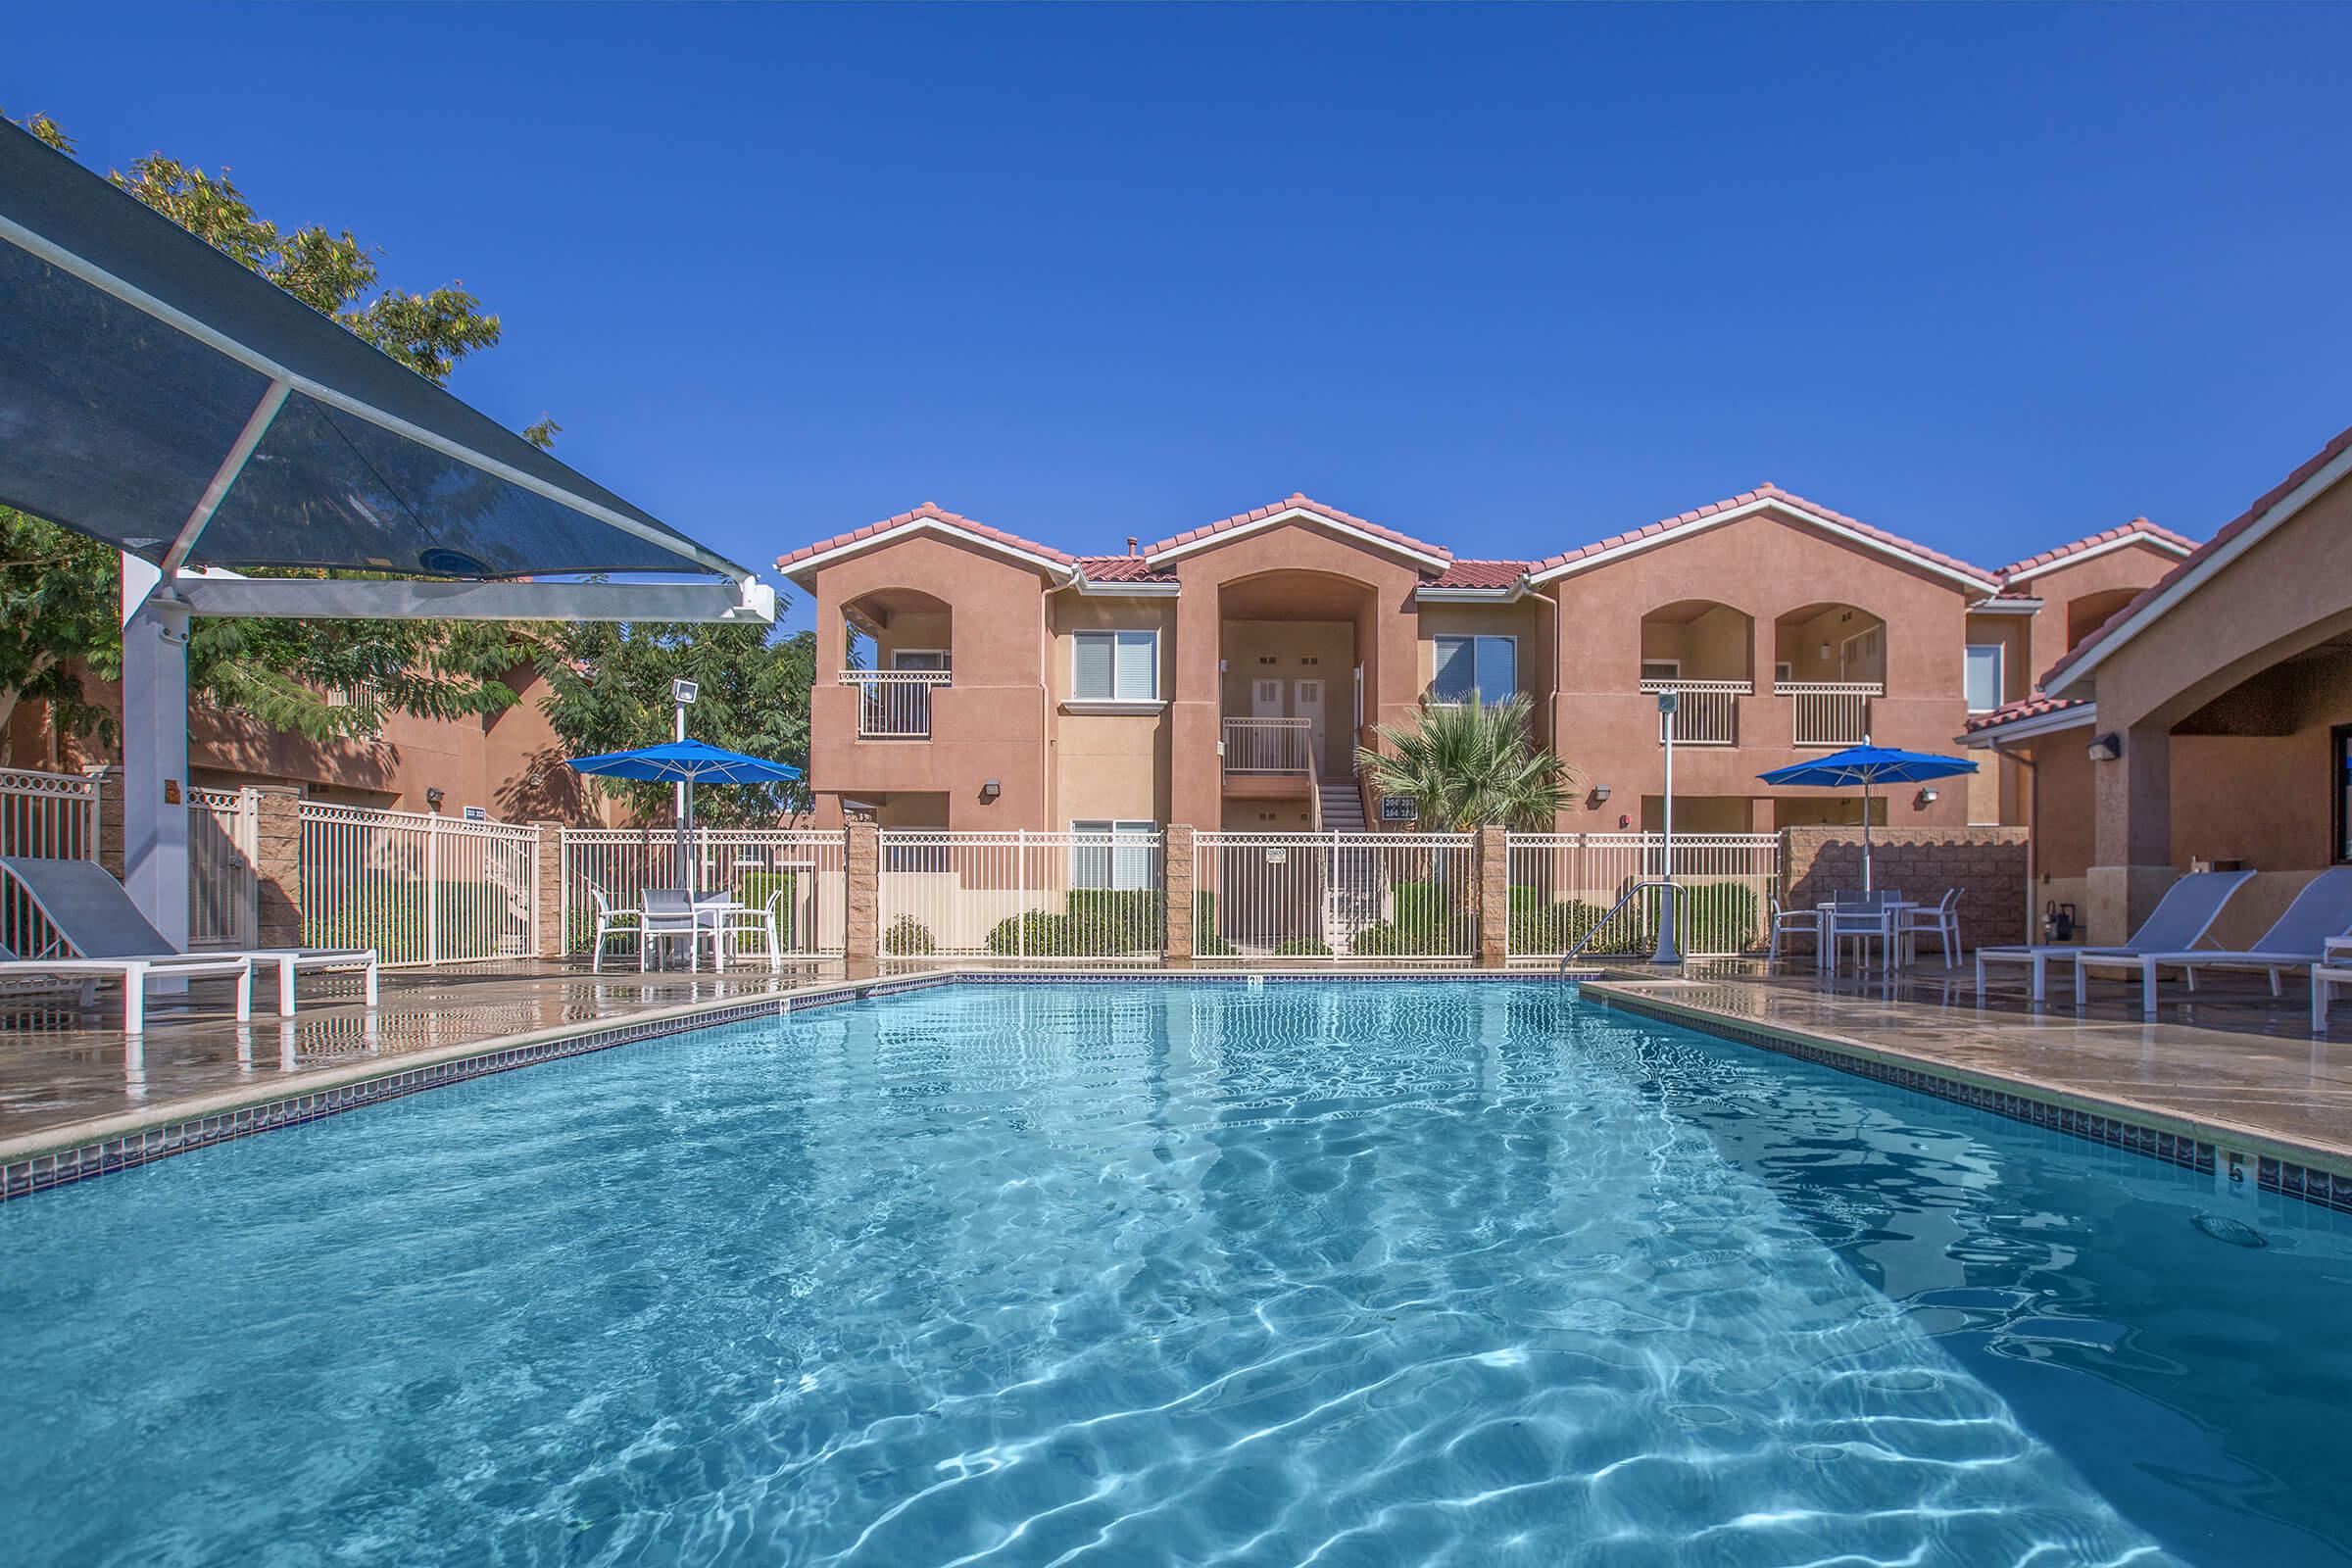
(1268, 744)
(223, 910)
(1022, 897)
(1830, 712)
(807, 866)
(895, 703)
(417, 887)
(1409, 896)
(1563, 886)
(48, 815)
(1706, 712)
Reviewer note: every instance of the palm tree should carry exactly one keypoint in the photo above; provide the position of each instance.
(1472, 765)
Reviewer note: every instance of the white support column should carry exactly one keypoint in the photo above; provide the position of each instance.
(155, 749)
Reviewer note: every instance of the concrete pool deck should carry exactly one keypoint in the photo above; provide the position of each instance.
(2231, 1069)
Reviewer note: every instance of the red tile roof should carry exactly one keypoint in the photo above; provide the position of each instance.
(1769, 492)
(1479, 575)
(1298, 502)
(2228, 531)
(1120, 568)
(928, 512)
(2140, 526)
(2032, 706)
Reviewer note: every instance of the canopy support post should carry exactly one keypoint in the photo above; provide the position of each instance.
(155, 749)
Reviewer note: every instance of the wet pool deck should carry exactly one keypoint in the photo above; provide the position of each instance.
(2232, 1066)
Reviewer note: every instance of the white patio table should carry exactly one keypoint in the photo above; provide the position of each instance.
(1825, 956)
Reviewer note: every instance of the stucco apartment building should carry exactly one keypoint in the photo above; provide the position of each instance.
(971, 678)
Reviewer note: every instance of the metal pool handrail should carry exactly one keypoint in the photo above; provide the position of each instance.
(1601, 924)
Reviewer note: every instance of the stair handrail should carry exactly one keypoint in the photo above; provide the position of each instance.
(1315, 786)
(1601, 924)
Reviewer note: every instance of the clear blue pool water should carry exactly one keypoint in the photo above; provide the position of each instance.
(1333, 1274)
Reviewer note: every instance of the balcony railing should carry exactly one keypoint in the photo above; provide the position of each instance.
(895, 705)
(1269, 745)
(1706, 712)
(1831, 712)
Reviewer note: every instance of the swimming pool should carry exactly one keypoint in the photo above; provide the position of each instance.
(1173, 1273)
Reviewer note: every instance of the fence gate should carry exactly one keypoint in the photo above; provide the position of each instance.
(417, 887)
(224, 906)
(1020, 897)
(1393, 897)
(1563, 885)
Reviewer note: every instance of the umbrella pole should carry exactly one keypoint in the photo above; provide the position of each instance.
(690, 870)
(1866, 835)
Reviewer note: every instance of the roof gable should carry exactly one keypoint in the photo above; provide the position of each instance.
(1766, 498)
(930, 519)
(1297, 508)
(2138, 532)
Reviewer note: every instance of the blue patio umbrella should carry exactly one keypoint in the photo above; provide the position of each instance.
(687, 763)
(1867, 766)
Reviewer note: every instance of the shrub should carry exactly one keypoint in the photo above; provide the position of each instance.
(1537, 927)
(1110, 920)
(1453, 936)
(1302, 948)
(907, 938)
(1035, 934)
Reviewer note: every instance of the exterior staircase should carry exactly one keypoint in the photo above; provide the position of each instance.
(1343, 807)
(1352, 889)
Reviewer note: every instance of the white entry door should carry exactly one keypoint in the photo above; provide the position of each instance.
(1308, 705)
(1265, 699)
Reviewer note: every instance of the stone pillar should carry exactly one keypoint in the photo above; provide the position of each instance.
(863, 934)
(1494, 898)
(278, 865)
(109, 779)
(1176, 860)
(2131, 860)
(548, 895)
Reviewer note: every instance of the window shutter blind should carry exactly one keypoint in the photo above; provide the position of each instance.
(1090, 675)
(1497, 669)
(1450, 672)
(1139, 667)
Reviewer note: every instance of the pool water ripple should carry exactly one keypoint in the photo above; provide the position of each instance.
(1043, 1275)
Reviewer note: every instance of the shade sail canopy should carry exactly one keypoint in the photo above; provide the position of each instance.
(157, 395)
(687, 763)
(1859, 766)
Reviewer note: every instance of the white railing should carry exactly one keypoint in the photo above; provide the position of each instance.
(1706, 712)
(808, 865)
(417, 887)
(1563, 884)
(1268, 744)
(1831, 712)
(1020, 898)
(1407, 897)
(51, 816)
(223, 892)
(895, 705)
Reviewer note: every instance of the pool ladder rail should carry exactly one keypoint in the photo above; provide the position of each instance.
(1601, 924)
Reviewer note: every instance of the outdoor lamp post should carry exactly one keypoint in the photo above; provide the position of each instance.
(1669, 950)
(682, 693)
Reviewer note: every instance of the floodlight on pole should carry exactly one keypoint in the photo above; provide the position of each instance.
(1669, 952)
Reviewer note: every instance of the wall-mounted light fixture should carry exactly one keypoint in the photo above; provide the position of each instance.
(990, 790)
(434, 796)
(1600, 795)
(1825, 653)
(1926, 798)
(2106, 748)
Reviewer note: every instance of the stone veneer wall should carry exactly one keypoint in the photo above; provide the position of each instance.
(1988, 865)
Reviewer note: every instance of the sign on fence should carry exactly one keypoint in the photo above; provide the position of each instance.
(1399, 808)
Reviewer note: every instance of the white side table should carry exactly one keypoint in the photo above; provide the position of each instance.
(2335, 970)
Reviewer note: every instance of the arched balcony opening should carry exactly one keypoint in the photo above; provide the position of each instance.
(902, 648)
(1704, 653)
(1829, 659)
(2091, 612)
(1296, 651)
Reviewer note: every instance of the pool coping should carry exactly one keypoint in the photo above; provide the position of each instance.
(2213, 1144)
(76, 1151)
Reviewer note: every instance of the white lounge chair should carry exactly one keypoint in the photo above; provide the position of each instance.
(2181, 919)
(136, 976)
(96, 918)
(2297, 941)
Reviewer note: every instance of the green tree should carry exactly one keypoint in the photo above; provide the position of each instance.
(59, 590)
(1470, 766)
(609, 690)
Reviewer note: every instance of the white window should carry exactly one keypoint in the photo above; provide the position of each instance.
(1115, 666)
(921, 659)
(1475, 669)
(1661, 669)
(1983, 677)
(1129, 859)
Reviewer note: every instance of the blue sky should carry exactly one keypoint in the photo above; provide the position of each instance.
(1510, 279)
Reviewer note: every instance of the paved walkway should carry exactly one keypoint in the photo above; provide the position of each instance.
(2229, 1058)
(56, 1069)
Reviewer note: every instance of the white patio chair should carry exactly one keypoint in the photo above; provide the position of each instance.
(2180, 920)
(667, 916)
(1784, 918)
(1861, 921)
(81, 976)
(92, 916)
(610, 922)
(1940, 920)
(2297, 940)
(762, 920)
